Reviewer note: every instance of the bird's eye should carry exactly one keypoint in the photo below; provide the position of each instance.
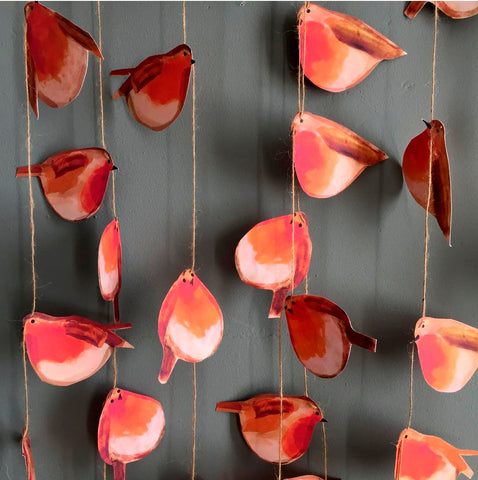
(112, 401)
(300, 225)
(184, 279)
(109, 161)
(118, 391)
(423, 325)
(317, 413)
(406, 436)
(32, 321)
(185, 53)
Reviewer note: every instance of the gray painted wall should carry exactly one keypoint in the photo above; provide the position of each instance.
(367, 240)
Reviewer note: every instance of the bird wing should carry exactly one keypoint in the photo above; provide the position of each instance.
(265, 407)
(345, 142)
(32, 82)
(146, 71)
(357, 34)
(324, 305)
(77, 34)
(86, 330)
(65, 162)
(460, 337)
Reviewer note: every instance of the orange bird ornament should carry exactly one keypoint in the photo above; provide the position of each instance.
(109, 265)
(66, 350)
(130, 428)
(156, 89)
(271, 253)
(338, 51)
(448, 352)
(456, 10)
(73, 181)
(57, 56)
(322, 335)
(190, 323)
(425, 457)
(416, 168)
(327, 156)
(260, 422)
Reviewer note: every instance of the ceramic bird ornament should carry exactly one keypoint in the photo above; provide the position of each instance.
(190, 323)
(156, 89)
(73, 181)
(322, 335)
(130, 428)
(448, 352)
(260, 422)
(416, 168)
(109, 265)
(66, 350)
(454, 9)
(57, 56)
(425, 457)
(272, 252)
(338, 51)
(327, 156)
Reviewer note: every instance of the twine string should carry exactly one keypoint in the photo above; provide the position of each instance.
(193, 456)
(193, 244)
(427, 214)
(102, 110)
(32, 234)
(281, 395)
(194, 214)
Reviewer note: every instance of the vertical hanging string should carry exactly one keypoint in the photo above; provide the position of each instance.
(426, 234)
(113, 173)
(32, 235)
(281, 395)
(103, 145)
(193, 244)
(301, 108)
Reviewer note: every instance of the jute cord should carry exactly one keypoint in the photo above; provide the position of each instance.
(427, 214)
(193, 244)
(32, 233)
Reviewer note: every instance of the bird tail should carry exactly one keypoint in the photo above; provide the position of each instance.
(119, 470)
(23, 171)
(413, 8)
(121, 71)
(167, 365)
(277, 305)
(362, 340)
(232, 407)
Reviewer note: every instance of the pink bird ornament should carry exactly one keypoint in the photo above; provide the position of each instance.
(327, 156)
(109, 265)
(338, 51)
(190, 323)
(271, 253)
(448, 352)
(130, 428)
(57, 56)
(66, 350)
(425, 457)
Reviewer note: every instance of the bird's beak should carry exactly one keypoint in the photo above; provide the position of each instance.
(429, 125)
(193, 61)
(324, 420)
(114, 167)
